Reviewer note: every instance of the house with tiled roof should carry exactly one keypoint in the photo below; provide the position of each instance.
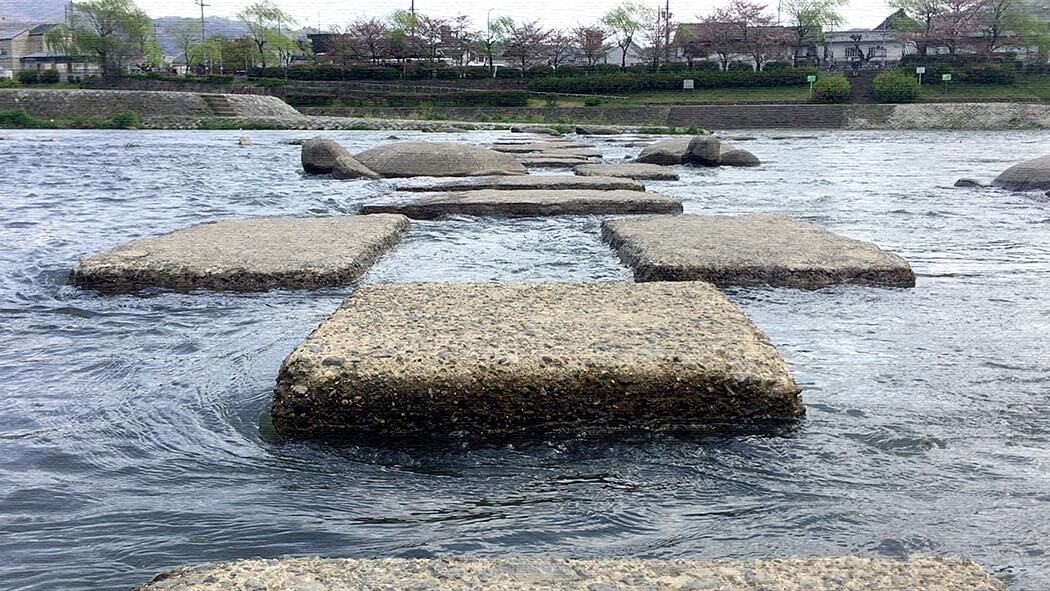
(26, 48)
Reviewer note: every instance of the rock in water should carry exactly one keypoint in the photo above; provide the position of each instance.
(596, 130)
(528, 203)
(347, 167)
(667, 152)
(705, 150)
(410, 159)
(556, 182)
(647, 172)
(319, 155)
(1033, 175)
(487, 361)
(738, 157)
(245, 141)
(968, 184)
(247, 255)
(536, 130)
(755, 249)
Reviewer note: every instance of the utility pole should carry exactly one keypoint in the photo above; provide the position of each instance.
(667, 32)
(202, 5)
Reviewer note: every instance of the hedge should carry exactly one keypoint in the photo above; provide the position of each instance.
(625, 82)
(896, 86)
(481, 98)
(963, 70)
(832, 89)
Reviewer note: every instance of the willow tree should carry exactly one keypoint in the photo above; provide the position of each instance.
(113, 31)
(810, 18)
(267, 26)
(625, 21)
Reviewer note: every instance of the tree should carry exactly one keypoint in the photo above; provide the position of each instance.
(657, 30)
(187, 39)
(525, 43)
(920, 27)
(810, 18)
(560, 48)
(462, 39)
(266, 26)
(112, 30)
(591, 41)
(718, 35)
(494, 39)
(625, 21)
(1032, 28)
(429, 36)
(956, 25)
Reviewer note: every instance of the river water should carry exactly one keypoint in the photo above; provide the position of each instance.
(133, 439)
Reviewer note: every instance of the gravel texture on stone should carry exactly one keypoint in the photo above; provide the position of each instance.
(410, 159)
(319, 156)
(247, 255)
(648, 172)
(518, 183)
(558, 574)
(425, 206)
(1033, 175)
(490, 361)
(752, 249)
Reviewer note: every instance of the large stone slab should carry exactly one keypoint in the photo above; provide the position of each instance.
(1033, 175)
(482, 361)
(554, 161)
(559, 146)
(528, 203)
(648, 172)
(751, 249)
(559, 574)
(410, 159)
(666, 153)
(518, 183)
(247, 254)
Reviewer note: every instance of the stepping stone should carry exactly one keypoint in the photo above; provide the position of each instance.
(751, 249)
(528, 203)
(409, 159)
(540, 161)
(247, 255)
(517, 183)
(534, 573)
(446, 361)
(648, 172)
(540, 147)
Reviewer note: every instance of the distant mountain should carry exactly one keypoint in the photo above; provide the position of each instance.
(232, 29)
(33, 11)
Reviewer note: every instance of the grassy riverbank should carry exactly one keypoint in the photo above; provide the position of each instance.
(21, 119)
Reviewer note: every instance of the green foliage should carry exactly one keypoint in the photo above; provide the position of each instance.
(975, 69)
(623, 83)
(480, 98)
(49, 77)
(10, 83)
(126, 120)
(21, 119)
(551, 100)
(112, 30)
(592, 101)
(832, 89)
(895, 86)
(28, 77)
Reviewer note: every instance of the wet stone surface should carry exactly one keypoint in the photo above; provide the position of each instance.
(490, 361)
(528, 182)
(526, 203)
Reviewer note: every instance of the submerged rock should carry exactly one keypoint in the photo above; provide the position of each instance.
(528, 203)
(648, 172)
(449, 361)
(319, 155)
(1033, 175)
(245, 141)
(560, 574)
(437, 159)
(753, 249)
(968, 183)
(247, 255)
(597, 130)
(737, 157)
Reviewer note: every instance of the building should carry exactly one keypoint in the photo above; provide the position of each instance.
(26, 48)
(716, 42)
(882, 45)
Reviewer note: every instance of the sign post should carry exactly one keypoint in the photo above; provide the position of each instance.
(920, 71)
(687, 85)
(947, 78)
(811, 79)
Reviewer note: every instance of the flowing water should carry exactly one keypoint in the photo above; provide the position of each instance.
(133, 434)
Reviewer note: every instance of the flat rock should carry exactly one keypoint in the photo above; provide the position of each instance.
(545, 161)
(247, 255)
(753, 249)
(648, 172)
(448, 361)
(557, 574)
(597, 130)
(666, 153)
(347, 167)
(1033, 175)
(319, 155)
(518, 183)
(527, 203)
(538, 130)
(437, 159)
(514, 148)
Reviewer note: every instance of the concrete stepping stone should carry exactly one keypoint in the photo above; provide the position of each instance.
(247, 255)
(648, 172)
(545, 161)
(448, 361)
(561, 574)
(527, 203)
(541, 147)
(517, 183)
(437, 159)
(753, 249)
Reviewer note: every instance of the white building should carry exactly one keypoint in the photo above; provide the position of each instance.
(881, 45)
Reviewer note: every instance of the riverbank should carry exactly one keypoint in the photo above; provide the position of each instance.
(520, 574)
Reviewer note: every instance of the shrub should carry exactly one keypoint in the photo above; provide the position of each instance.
(508, 73)
(569, 71)
(592, 101)
(741, 67)
(477, 73)
(271, 82)
(895, 86)
(9, 83)
(49, 77)
(28, 77)
(626, 82)
(832, 89)
(551, 100)
(126, 120)
(21, 119)
(706, 67)
(607, 69)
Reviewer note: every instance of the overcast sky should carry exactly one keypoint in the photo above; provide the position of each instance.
(553, 13)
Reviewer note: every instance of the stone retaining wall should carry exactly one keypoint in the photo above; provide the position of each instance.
(987, 116)
(655, 116)
(106, 103)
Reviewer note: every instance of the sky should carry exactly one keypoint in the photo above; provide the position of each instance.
(553, 13)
